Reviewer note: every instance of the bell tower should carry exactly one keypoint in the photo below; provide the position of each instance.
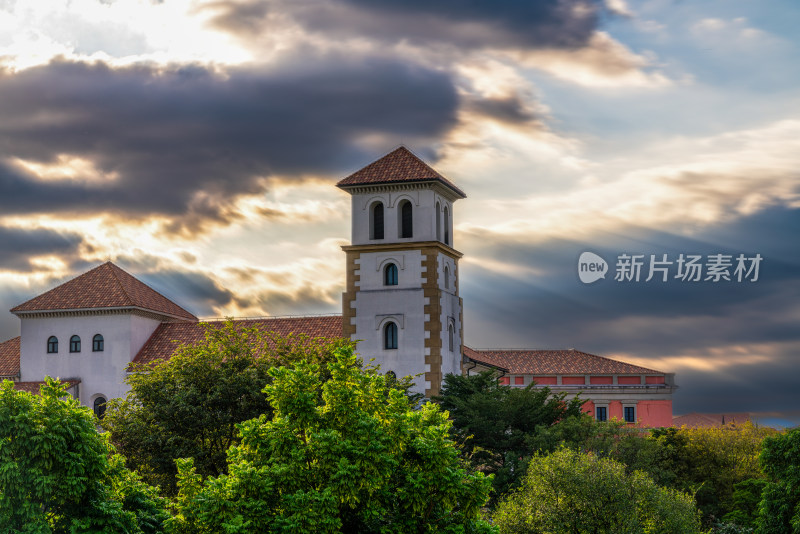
(401, 300)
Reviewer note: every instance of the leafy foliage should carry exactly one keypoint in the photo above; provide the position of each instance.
(58, 474)
(572, 492)
(346, 454)
(779, 510)
(189, 405)
(498, 424)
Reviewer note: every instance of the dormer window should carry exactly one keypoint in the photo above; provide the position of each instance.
(75, 344)
(52, 345)
(376, 221)
(390, 275)
(406, 219)
(97, 343)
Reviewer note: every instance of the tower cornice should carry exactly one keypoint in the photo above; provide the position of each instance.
(410, 245)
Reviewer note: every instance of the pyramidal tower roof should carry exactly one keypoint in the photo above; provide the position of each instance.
(398, 166)
(105, 286)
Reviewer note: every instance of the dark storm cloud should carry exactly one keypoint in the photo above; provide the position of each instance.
(556, 309)
(18, 246)
(553, 309)
(459, 23)
(512, 110)
(187, 140)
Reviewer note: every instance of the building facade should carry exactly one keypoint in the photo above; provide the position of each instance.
(401, 303)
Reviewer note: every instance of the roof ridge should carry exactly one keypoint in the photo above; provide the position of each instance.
(112, 266)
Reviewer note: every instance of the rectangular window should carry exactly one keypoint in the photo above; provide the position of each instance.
(630, 414)
(519, 380)
(504, 380)
(602, 413)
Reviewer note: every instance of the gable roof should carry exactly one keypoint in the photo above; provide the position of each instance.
(553, 362)
(169, 336)
(9, 358)
(105, 286)
(398, 166)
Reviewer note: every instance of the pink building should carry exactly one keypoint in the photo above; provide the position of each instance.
(614, 389)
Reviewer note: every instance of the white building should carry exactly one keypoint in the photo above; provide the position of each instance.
(401, 302)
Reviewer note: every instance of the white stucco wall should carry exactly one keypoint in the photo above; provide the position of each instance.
(101, 373)
(404, 304)
(424, 215)
(451, 312)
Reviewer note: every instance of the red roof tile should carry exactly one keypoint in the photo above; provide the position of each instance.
(105, 286)
(33, 387)
(553, 362)
(9, 357)
(398, 166)
(707, 420)
(169, 336)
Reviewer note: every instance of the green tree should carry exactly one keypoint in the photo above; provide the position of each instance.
(571, 492)
(497, 424)
(719, 458)
(347, 454)
(746, 498)
(779, 510)
(189, 405)
(59, 475)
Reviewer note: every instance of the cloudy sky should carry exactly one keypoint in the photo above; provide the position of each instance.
(196, 144)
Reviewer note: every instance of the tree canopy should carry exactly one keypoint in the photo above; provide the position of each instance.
(497, 425)
(346, 454)
(779, 510)
(59, 475)
(188, 406)
(572, 492)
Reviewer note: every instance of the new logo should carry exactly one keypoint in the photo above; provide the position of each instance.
(591, 267)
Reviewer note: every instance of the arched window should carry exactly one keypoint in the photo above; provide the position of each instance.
(52, 345)
(391, 376)
(450, 335)
(446, 226)
(99, 407)
(406, 219)
(390, 336)
(446, 277)
(97, 343)
(75, 344)
(438, 222)
(390, 275)
(376, 221)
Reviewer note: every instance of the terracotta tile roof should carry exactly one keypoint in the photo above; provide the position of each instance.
(707, 420)
(168, 336)
(105, 286)
(400, 165)
(553, 362)
(33, 387)
(9, 357)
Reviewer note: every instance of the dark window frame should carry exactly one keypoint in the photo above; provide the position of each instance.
(390, 275)
(377, 221)
(99, 407)
(98, 343)
(629, 414)
(406, 219)
(601, 413)
(75, 344)
(52, 345)
(390, 335)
